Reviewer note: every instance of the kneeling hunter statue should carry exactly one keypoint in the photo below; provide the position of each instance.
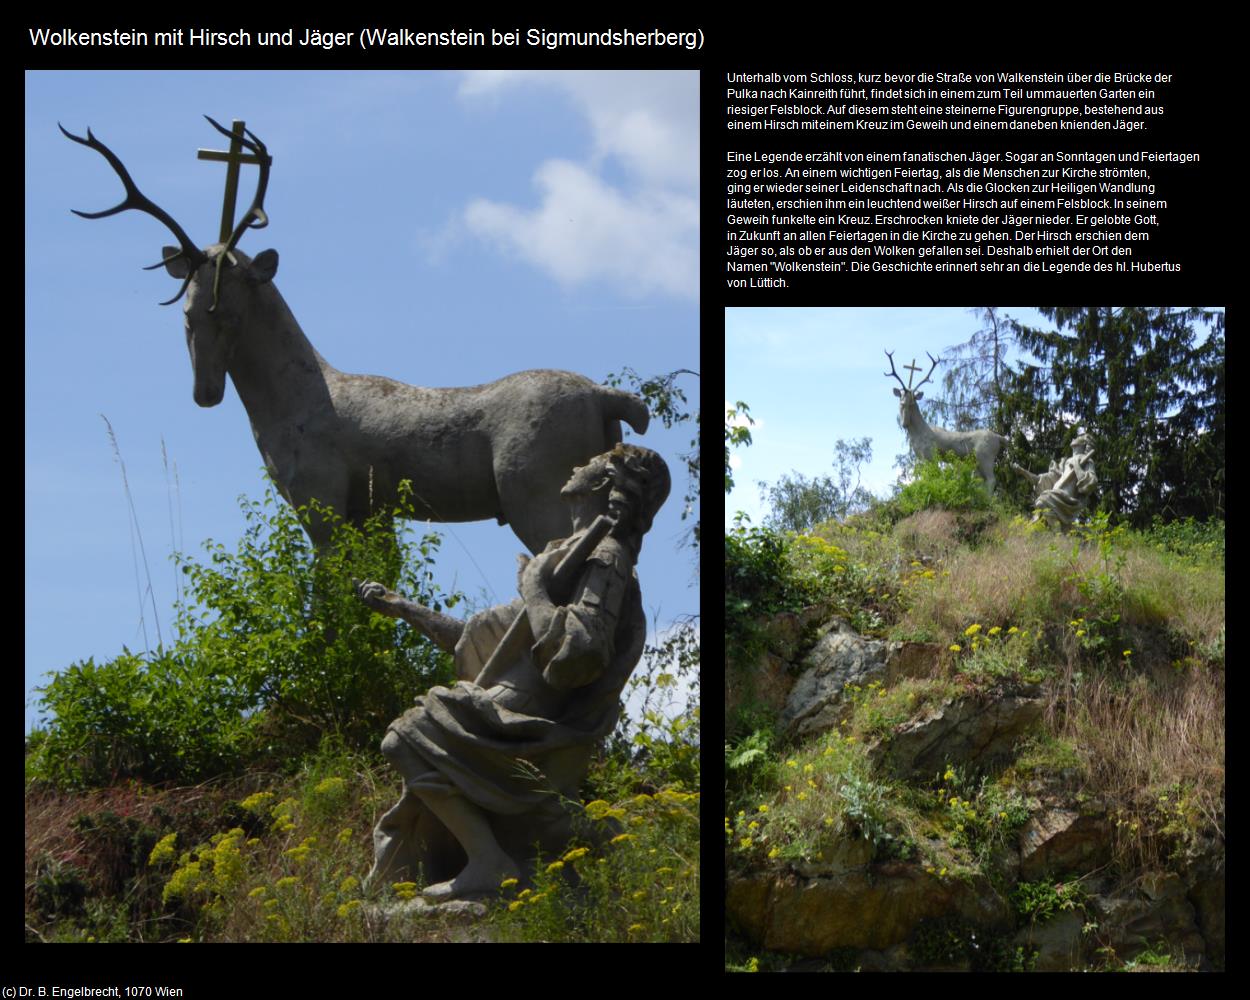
(489, 763)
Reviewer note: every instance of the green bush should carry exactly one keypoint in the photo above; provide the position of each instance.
(273, 651)
(759, 581)
(1201, 541)
(948, 481)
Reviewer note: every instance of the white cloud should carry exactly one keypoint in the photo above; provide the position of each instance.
(639, 232)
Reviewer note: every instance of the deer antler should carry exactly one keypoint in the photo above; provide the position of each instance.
(889, 355)
(136, 199)
(254, 217)
(931, 370)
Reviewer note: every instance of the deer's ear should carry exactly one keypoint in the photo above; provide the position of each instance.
(179, 267)
(919, 396)
(898, 393)
(264, 266)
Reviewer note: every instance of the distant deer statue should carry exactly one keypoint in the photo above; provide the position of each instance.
(927, 441)
(501, 450)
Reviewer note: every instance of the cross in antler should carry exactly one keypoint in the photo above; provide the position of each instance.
(913, 368)
(232, 159)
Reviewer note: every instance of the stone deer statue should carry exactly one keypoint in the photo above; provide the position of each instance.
(501, 450)
(927, 441)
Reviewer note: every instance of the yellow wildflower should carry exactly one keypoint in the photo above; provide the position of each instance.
(255, 802)
(972, 630)
(164, 849)
(555, 866)
(954, 647)
(995, 630)
(620, 838)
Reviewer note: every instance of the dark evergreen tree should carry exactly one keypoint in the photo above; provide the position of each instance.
(1147, 383)
(971, 392)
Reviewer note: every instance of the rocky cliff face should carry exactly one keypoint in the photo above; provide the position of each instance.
(923, 819)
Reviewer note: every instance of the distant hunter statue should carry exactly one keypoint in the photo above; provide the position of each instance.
(490, 765)
(1064, 490)
(927, 441)
(500, 450)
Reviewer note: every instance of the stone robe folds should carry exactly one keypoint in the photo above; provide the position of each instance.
(550, 708)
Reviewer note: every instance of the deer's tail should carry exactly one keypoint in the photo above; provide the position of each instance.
(619, 405)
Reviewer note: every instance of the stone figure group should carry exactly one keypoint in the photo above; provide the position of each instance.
(489, 764)
(1060, 493)
(1064, 490)
(469, 816)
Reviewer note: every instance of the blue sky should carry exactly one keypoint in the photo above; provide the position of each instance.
(438, 228)
(812, 376)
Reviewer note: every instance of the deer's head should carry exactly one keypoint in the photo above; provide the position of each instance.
(221, 292)
(908, 410)
(219, 281)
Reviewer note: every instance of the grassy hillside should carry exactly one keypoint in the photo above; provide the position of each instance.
(225, 787)
(1115, 642)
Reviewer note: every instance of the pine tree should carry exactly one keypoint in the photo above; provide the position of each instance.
(1147, 383)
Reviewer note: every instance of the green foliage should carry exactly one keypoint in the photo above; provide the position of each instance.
(737, 435)
(60, 889)
(750, 766)
(822, 800)
(800, 504)
(945, 941)
(758, 582)
(1148, 385)
(995, 656)
(1038, 902)
(1200, 541)
(273, 651)
(981, 816)
(658, 737)
(947, 481)
(640, 884)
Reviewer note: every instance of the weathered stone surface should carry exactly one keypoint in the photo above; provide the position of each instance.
(835, 855)
(788, 633)
(1158, 911)
(1061, 841)
(766, 683)
(1207, 898)
(842, 657)
(499, 451)
(874, 908)
(540, 684)
(1058, 942)
(960, 730)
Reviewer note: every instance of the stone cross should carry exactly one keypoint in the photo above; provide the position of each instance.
(913, 368)
(232, 159)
